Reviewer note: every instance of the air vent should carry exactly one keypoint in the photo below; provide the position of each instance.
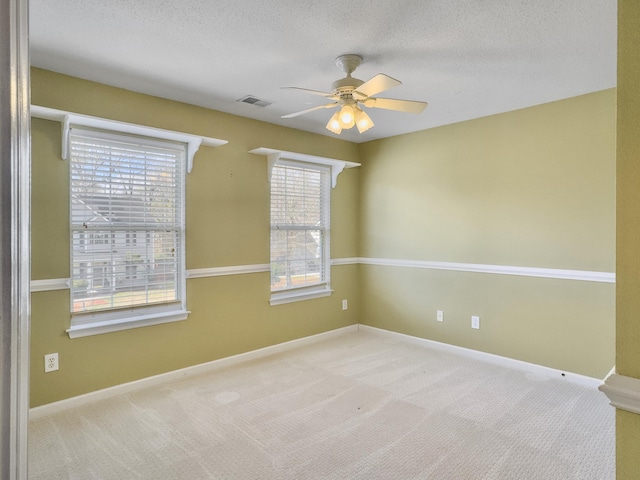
(251, 100)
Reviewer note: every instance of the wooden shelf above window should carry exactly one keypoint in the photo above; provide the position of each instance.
(273, 155)
(68, 119)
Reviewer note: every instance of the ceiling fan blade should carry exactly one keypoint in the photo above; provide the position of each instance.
(302, 112)
(313, 92)
(377, 84)
(407, 106)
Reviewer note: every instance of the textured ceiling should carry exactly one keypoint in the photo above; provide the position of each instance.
(467, 58)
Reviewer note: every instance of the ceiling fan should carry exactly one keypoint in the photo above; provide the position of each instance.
(350, 93)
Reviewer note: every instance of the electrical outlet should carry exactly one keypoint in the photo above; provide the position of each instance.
(51, 362)
(440, 316)
(345, 305)
(475, 322)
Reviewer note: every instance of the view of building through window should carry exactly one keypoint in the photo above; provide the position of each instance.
(126, 221)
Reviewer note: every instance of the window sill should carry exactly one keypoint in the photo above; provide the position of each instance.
(130, 320)
(289, 296)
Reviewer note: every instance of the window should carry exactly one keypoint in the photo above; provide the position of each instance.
(131, 238)
(300, 195)
(127, 231)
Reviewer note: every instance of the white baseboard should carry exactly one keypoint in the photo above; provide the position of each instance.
(488, 357)
(80, 400)
(50, 408)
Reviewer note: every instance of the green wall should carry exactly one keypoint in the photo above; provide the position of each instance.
(227, 224)
(530, 188)
(628, 230)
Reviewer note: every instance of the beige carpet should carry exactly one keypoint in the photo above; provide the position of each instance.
(359, 406)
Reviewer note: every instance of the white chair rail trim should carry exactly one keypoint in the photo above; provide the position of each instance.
(231, 270)
(345, 261)
(623, 392)
(63, 283)
(49, 284)
(584, 275)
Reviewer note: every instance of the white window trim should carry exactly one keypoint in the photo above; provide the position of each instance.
(297, 294)
(336, 168)
(84, 325)
(139, 319)
(290, 296)
(69, 118)
(87, 323)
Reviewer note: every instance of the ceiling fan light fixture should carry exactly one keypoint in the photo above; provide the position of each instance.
(334, 124)
(347, 116)
(363, 121)
(349, 94)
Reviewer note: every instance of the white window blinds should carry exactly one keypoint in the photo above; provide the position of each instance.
(299, 226)
(127, 221)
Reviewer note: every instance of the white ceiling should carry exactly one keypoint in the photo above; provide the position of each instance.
(467, 58)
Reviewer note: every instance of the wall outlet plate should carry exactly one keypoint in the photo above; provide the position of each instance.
(475, 322)
(51, 362)
(345, 305)
(440, 316)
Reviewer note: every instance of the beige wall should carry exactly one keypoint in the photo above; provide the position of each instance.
(227, 223)
(530, 188)
(628, 230)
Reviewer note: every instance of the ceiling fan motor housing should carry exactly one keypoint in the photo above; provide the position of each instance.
(346, 85)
